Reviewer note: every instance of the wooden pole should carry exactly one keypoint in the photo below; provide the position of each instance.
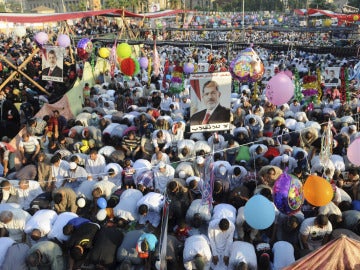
(19, 70)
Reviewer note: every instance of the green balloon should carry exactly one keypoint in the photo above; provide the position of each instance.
(137, 66)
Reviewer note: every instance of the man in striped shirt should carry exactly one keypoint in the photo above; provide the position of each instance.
(131, 144)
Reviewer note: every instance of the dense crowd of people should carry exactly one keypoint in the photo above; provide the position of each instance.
(90, 192)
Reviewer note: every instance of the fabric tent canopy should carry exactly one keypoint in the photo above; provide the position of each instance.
(312, 12)
(340, 253)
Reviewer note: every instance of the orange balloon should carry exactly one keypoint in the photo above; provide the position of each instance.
(317, 191)
(110, 212)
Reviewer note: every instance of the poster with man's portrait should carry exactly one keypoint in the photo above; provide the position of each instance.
(332, 76)
(52, 63)
(210, 95)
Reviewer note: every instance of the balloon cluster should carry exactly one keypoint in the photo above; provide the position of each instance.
(176, 83)
(129, 66)
(247, 66)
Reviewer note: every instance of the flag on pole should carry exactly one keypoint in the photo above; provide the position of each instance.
(156, 60)
(113, 59)
(208, 178)
(163, 234)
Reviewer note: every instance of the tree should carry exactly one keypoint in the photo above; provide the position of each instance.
(354, 3)
(116, 4)
(2, 8)
(322, 4)
(80, 6)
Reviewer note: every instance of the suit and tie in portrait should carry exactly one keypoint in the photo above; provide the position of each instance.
(53, 72)
(219, 115)
(214, 112)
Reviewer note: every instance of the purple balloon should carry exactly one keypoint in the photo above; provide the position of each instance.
(280, 89)
(287, 194)
(63, 40)
(84, 44)
(84, 48)
(41, 38)
(144, 62)
(188, 68)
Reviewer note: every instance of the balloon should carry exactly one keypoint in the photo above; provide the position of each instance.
(189, 68)
(81, 202)
(279, 89)
(101, 215)
(318, 191)
(84, 48)
(20, 31)
(356, 17)
(137, 66)
(288, 73)
(104, 52)
(128, 66)
(41, 38)
(109, 212)
(101, 202)
(123, 50)
(63, 40)
(287, 194)
(259, 212)
(327, 22)
(353, 152)
(247, 66)
(144, 62)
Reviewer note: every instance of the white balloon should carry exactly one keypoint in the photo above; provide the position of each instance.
(20, 31)
(101, 215)
(81, 202)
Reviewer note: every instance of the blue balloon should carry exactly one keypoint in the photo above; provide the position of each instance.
(356, 205)
(101, 202)
(259, 212)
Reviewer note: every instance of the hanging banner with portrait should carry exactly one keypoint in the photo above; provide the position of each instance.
(332, 76)
(52, 63)
(210, 101)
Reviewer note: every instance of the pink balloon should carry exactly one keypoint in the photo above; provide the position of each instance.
(63, 40)
(280, 89)
(353, 152)
(41, 38)
(288, 73)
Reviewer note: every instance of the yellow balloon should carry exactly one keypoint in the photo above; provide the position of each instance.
(356, 17)
(123, 50)
(104, 52)
(327, 22)
(317, 191)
